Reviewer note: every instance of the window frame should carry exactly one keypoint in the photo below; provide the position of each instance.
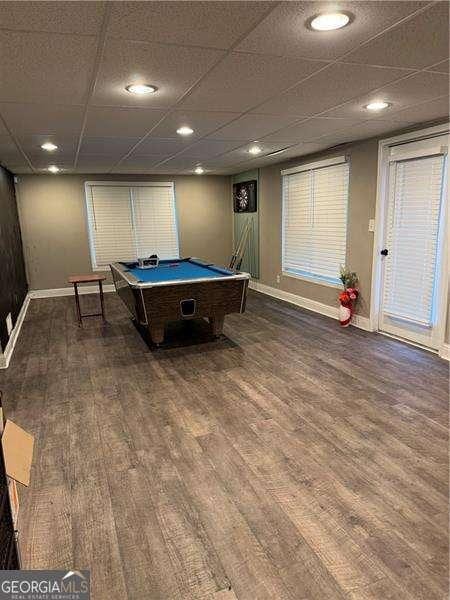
(319, 164)
(128, 184)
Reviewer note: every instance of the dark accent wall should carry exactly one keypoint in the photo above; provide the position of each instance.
(13, 281)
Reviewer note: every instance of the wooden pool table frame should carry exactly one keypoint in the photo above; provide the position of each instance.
(154, 304)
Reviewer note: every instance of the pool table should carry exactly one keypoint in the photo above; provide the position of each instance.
(179, 289)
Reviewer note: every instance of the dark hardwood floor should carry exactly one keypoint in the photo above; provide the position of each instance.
(288, 460)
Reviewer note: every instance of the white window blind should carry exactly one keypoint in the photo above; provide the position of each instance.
(412, 238)
(128, 222)
(155, 222)
(315, 221)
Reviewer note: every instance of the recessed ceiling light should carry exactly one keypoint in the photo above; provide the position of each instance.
(378, 105)
(185, 130)
(141, 88)
(330, 21)
(53, 169)
(49, 146)
(199, 170)
(255, 149)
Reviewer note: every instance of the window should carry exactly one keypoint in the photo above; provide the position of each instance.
(315, 199)
(127, 221)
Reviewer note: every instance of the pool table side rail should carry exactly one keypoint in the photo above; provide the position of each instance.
(133, 281)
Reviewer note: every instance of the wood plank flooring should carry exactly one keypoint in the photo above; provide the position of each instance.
(290, 460)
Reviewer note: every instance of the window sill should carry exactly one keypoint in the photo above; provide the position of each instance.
(312, 279)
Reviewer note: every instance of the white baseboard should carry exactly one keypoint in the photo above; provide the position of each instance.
(444, 351)
(68, 291)
(313, 305)
(362, 323)
(5, 357)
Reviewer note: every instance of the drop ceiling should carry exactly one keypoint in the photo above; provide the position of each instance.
(236, 72)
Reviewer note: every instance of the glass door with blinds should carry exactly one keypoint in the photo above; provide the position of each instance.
(413, 248)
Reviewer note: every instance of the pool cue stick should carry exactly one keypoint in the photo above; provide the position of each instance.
(235, 254)
(243, 245)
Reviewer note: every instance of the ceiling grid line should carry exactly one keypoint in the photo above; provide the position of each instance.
(96, 68)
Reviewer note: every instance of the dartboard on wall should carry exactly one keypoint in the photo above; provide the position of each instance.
(244, 196)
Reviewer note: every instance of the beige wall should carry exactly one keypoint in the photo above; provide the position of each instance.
(52, 213)
(362, 200)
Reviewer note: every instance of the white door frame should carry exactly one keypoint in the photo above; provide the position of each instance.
(379, 233)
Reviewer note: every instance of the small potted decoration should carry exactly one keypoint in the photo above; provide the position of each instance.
(348, 297)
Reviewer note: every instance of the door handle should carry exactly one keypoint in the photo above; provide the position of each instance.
(384, 252)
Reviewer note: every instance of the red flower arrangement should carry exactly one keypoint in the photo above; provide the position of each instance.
(348, 297)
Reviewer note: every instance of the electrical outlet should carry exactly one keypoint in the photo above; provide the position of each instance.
(9, 324)
(278, 279)
(371, 225)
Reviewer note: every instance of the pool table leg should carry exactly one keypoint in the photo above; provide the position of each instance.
(216, 323)
(157, 333)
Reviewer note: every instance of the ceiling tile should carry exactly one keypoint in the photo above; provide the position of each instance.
(161, 147)
(210, 148)
(302, 149)
(284, 33)
(42, 163)
(334, 85)
(22, 169)
(95, 164)
(120, 122)
(7, 146)
(213, 24)
(34, 119)
(3, 129)
(202, 122)
(143, 163)
(361, 131)
(229, 159)
(252, 126)
(132, 170)
(109, 146)
(309, 130)
(171, 68)
(242, 81)
(242, 154)
(441, 67)
(374, 128)
(183, 163)
(417, 43)
(45, 68)
(426, 111)
(31, 144)
(52, 17)
(412, 90)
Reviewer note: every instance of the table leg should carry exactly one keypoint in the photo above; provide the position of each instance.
(102, 304)
(77, 304)
(216, 323)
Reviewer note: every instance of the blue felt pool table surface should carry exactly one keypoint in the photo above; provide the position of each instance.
(177, 269)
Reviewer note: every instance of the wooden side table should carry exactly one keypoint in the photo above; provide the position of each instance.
(93, 277)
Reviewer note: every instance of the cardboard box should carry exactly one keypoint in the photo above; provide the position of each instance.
(17, 447)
